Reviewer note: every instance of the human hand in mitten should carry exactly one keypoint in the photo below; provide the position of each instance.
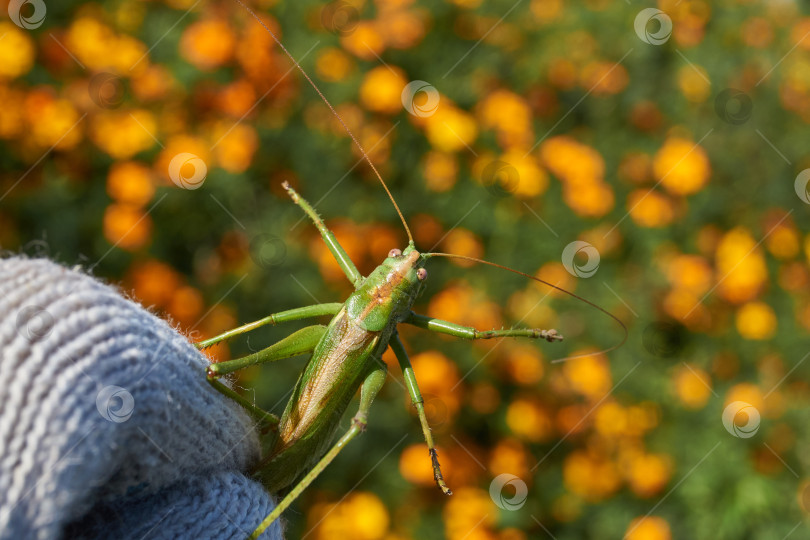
(108, 428)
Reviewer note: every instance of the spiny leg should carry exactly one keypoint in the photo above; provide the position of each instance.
(419, 403)
(371, 386)
(301, 342)
(468, 332)
(334, 246)
(296, 314)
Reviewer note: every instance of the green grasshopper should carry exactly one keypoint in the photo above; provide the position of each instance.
(345, 355)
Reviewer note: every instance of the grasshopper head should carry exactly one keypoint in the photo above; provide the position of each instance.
(389, 291)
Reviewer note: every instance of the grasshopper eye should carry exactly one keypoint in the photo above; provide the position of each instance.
(421, 274)
(395, 253)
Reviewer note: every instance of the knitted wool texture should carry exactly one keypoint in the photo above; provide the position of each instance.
(108, 428)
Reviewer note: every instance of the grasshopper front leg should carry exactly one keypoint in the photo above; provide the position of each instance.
(419, 403)
(301, 342)
(468, 332)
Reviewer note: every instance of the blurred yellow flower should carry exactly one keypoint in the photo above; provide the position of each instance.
(649, 208)
(52, 122)
(401, 28)
(691, 273)
(441, 170)
(589, 200)
(381, 90)
(127, 226)
(462, 304)
(510, 456)
(361, 515)
(649, 474)
(333, 64)
(180, 144)
(748, 393)
(121, 133)
(756, 320)
(100, 48)
(591, 476)
(783, 241)
(130, 182)
(648, 528)
(532, 180)
(529, 419)
(235, 146)
(511, 117)
(681, 166)
(415, 465)
(365, 41)
(450, 129)
(237, 98)
(152, 83)
(604, 78)
(207, 44)
(524, 364)
(16, 52)
(588, 375)
(438, 377)
(153, 282)
(186, 305)
(692, 386)
(461, 241)
(741, 266)
(467, 510)
(12, 119)
(546, 11)
(694, 83)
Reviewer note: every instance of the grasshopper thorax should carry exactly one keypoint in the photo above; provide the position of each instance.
(387, 294)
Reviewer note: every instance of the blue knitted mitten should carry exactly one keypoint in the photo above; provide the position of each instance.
(108, 428)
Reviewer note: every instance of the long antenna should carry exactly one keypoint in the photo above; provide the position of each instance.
(569, 293)
(349, 131)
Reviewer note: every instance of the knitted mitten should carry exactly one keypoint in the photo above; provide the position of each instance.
(108, 428)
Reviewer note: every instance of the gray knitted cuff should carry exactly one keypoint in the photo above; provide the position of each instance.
(108, 428)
